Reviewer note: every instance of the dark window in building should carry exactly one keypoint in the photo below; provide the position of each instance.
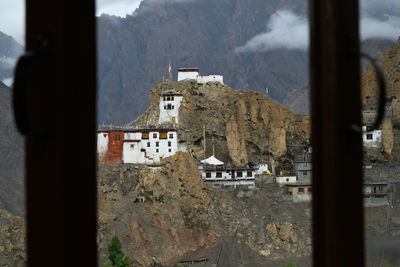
(157, 150)
(165, 98)
(157, 144)
(105, 135)
(287, 179)
(219, 174)
(145, 135)
(169, 150)
(172, 107)
(310, 189)
(154, 135)
(171, 135)
(117, 137)
(369, 136)
(369, 128)
(380, 187)
(168, 98)
(169, 143)
(208, 174)
(163, 135)
(239, 174)
(304, 173)
(148, 144)
(132, 145)
(301, 190)
(169, 106)
(172, 97)
(165, 106)
(249, 174)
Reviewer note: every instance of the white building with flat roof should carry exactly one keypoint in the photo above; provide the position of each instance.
(149, 146)
(170, 103)
(193, 74)
(371, 139)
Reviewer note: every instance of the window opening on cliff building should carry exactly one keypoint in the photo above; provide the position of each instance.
(169, 143)
(163, 135)
(249, 174)
(370, 136)
(117, 137)
(218, 175)
(301, 190)
(208, 174)
(157, 144)
(154, 135)
(157, 150)
(171, 135)
(145, 135)
(148, 144)
(239, 174)
(169, 150)
(169, 107)
(104, 135)
(132, 146)
(165, 107)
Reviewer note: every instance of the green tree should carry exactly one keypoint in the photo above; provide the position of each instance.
(290, 264)
(115, 255)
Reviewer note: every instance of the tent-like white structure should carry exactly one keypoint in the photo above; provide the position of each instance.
(212, 161)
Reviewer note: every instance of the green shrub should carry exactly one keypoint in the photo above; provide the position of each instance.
(115, 255)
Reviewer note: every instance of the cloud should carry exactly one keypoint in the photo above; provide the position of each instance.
(385, 29)
(8, 81)
(119, 8)
(12, 19)
(285, 30)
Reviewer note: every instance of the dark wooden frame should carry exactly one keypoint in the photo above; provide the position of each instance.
(60, 177)
(336, 141)
(61, 167)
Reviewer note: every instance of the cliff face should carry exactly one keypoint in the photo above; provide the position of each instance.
(370, 94)
(245, 126)
(12, 240)
(170, 214)
(12, 159)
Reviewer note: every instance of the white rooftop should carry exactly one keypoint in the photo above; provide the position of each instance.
(212, 161)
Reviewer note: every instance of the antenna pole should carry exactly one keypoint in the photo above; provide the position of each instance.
(204, 137)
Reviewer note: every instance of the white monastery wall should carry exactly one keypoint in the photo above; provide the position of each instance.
(371, 139)
(210, 78)
(285, 179)
(102, 142)
(151, 149)
(169, 108)
(187, 75)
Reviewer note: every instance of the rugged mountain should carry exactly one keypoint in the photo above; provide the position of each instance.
(12, 240)
(245, 126)
(12, 159)
(369, 95)
(9, 51)
(134, 53)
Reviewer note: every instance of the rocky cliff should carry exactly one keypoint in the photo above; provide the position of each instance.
(12, 158)
(369, 95)
(245, 126)
(12, 240)
(168, 213)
